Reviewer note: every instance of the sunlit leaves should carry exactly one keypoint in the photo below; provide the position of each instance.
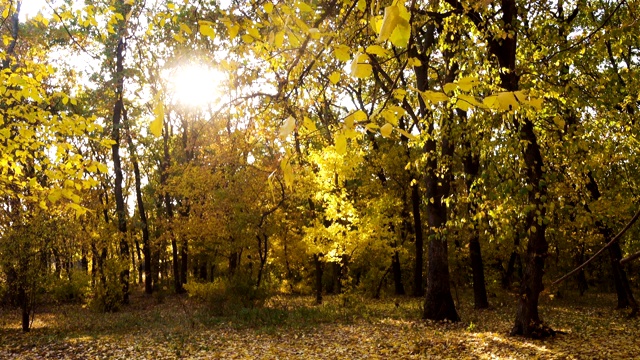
(342, 53)
(206, 29)
(334, 77)
(386, 130)
(287, 127)
(360, 68)
(395, 25)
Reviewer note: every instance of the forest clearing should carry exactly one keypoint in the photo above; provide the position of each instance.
(319, 178)
(294, 328)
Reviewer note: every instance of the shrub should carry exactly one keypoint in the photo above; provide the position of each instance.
(75, 288)
(226, 296)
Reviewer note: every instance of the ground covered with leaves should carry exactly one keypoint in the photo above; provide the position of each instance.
(344, 327)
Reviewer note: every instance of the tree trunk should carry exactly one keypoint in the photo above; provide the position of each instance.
(418, 267)
(184, 257)
(117, 167)
(317, 260)
(621, 282)
(471, 162)
(439, 303)
(148, 283)
(397, 273)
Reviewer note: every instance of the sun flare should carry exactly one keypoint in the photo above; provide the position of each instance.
(196, 85)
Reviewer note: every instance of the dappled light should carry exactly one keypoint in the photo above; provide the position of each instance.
(319, 179)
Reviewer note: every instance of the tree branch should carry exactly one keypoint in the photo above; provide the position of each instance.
(616, 238)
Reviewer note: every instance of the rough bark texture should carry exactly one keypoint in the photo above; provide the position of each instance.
(439, 303)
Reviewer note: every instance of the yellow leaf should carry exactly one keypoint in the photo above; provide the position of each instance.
(334, 77)
(536, 103)
(304, 7)
(207, 30)
(462, 105)
(508, 101)
(233, 30)
(434, 96)
(185, 28)
(278, 39)
(491, 102)
(449, 87)
(342, 52)
(102, 168)
(414, 62)
(359, 66)
(402, 32)
(341, 143)
(376, 50)
(309, 124)
(470, 99)
(288, 127)
(467, 83)
(158, 121)
(248, 39)
(360, 115)
(268, 7)
(559, 121)
(287, 172)
(386, 130)
(389, 22)
(406, 134)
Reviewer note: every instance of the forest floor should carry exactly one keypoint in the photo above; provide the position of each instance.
(344, 327)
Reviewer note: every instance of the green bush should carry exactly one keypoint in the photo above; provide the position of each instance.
(107, 295)
(227, 296)
(75, 288)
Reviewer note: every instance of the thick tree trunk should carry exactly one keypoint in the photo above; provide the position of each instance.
(397, 273)
(479, 289)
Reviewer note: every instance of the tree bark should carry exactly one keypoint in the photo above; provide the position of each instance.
(397, 273)
(418, 266)
(146, 247)
(317, 260)
(471, 163)
(621, 282)
(117, 167)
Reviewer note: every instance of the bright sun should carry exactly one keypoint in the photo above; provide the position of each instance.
(196, 85)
